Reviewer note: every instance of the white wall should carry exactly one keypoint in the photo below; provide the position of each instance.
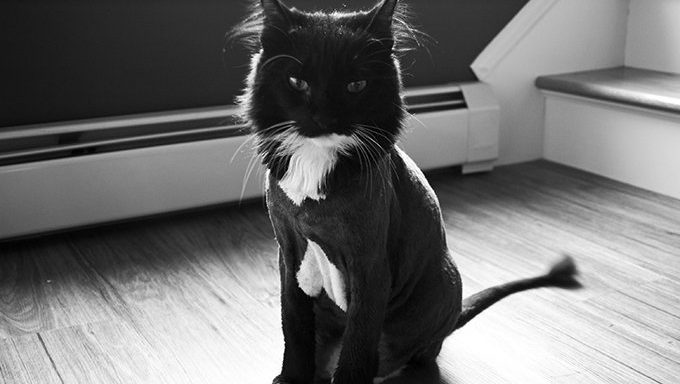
(636, 146)
(653, 40)
(547, 37)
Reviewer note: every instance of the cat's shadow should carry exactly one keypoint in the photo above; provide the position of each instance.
(420, 374)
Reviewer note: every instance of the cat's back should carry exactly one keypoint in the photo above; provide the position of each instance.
(418, 235)
(411, 185)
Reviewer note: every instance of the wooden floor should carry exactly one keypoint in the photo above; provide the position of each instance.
(194, 298)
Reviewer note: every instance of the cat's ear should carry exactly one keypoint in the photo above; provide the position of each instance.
(277, 20)
(381, 18)
(275, 12)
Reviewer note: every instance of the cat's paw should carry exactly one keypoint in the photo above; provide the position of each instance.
(279, 380)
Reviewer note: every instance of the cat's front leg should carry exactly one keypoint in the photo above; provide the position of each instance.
(358, 362)
(297, 318)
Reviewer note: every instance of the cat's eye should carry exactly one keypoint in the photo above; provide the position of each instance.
(356, 86)
(298, 84)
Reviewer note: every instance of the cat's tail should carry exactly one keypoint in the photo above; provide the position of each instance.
(562, 275)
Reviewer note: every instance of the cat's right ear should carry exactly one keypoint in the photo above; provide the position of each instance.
(382, 15)
(275, 12)
(277, 20)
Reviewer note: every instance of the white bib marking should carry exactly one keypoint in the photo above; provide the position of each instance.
(317, 272)
(311, 160)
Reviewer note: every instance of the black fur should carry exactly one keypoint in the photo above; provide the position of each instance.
(329, 51)
(379, 222)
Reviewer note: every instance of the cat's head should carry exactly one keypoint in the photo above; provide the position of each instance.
(318, 75)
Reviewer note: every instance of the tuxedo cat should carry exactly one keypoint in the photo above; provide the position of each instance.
(368, 285)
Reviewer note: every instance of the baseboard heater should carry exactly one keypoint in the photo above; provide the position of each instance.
(74, 174)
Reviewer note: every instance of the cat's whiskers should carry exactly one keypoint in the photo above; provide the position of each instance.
(309, 162)
(363, 156)
(371, 153)
(252, 163)
(372, 129)
(267, 142)
(272, 145)
(272, 130)
(375, 153)
(275, 127)
(376, 130)
(249, 140)
(360, 158)
(246, 176)
(380, 132)
(410, 115)
(378, 153)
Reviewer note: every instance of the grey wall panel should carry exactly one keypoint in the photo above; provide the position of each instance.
(75, 59)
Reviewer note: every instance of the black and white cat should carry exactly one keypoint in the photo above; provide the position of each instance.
(367, 282)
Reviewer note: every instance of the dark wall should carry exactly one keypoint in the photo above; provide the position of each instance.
(68, 59)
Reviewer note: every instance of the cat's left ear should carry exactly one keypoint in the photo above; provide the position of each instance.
(276, 12)
(382, 15)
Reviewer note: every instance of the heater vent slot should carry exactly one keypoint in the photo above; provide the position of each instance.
(437, 101)
(81, 173)
(59, 140)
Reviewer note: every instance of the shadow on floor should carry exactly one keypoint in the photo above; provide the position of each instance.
(420, 374)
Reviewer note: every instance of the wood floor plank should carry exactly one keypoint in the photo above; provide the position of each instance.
(570, 234)
(663, 295)
(518, 333)
(46, 285)
(195, 298)
(235, 347)
(157, 273)
(605, 338)
(630, 229)
(24, 308)
(24, 360)
(107, 352)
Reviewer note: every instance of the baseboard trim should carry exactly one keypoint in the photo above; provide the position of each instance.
(73, 192)
(628, 144)
(460, 124)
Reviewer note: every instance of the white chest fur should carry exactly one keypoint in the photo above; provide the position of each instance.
(311, 160)
(317, 272)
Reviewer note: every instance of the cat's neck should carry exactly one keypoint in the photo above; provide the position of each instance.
(313, 171)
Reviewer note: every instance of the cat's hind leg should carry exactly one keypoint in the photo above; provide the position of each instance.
(327, 356)
(416, 374)
(329, 329)
(428, 355)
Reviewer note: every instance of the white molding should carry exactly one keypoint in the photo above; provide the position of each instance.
(613, 105)
(50, 195)
(56, 194)
(114, 122)
(510, 36)
(628, 144)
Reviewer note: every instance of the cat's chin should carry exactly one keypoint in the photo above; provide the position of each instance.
(330, 140)
(317, 133)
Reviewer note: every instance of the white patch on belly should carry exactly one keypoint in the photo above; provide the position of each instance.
(317, 272)
(311, 160)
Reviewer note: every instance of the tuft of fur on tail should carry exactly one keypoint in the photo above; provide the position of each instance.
(562, 274)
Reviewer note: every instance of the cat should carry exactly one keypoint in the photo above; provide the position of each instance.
(368, 285)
